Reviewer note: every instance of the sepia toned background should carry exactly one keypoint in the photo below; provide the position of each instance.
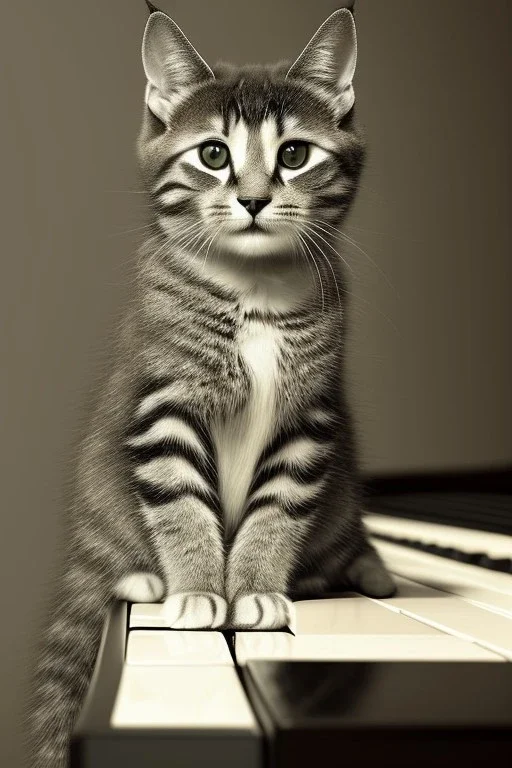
(429, 363)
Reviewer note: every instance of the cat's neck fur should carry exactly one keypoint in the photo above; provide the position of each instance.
(272, 284)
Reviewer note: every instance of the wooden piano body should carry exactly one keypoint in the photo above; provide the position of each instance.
(419, 679)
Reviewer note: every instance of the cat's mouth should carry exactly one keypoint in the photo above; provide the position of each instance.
(254, 227)
(255, 240)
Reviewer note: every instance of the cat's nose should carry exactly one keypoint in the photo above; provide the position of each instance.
(254, 204)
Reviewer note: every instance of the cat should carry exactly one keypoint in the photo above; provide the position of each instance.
(220, 471)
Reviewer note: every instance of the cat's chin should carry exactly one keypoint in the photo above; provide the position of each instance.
(254, 245)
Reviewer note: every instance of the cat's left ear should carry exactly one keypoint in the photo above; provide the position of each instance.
(171, 63)
(328, 61)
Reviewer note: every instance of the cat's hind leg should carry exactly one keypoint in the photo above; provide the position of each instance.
(139, 588)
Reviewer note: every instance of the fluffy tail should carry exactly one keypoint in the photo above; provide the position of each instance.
(63, 666)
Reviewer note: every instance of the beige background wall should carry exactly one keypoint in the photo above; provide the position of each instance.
(429, 362)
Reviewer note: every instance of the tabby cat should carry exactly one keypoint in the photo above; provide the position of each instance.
(219, 474)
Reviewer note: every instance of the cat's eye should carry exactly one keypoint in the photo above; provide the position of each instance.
(214, 154)
(293, 154)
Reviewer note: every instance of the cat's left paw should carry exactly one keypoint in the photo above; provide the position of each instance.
(271, 610)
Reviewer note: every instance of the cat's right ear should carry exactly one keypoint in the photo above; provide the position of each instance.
(171, 63)
(328, 61)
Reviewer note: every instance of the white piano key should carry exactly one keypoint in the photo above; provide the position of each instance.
(487, 588)
(452, 615)
(147, 615)
(468, 540)
(353, 616)
(200, 697)
(176, 647)
(281, 646)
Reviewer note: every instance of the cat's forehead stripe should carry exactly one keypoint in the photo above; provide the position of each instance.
(238, 144)
(269, 137)
(250, 146)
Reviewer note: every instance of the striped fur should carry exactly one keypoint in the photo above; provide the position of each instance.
(219, 472)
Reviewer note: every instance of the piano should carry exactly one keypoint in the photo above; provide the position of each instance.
(418, 679)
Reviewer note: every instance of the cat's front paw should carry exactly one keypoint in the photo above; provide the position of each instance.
(195, 610)
(139, 587)
(271, 610)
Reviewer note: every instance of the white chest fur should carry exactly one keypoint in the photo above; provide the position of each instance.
(240, 441)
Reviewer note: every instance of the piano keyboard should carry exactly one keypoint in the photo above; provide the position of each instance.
(352, 667)
(483, 548)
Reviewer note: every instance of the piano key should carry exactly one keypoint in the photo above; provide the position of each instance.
(490, 589)
(147, 616)
(189, 697)
(410, 714)
(377, 647)
(473, 510)
(140, 715)
(495, 545)
(353, 615)
(452, 615)
(176, 647)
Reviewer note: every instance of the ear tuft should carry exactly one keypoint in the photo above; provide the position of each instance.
(152, 8)
(171, 63)
(328, 61)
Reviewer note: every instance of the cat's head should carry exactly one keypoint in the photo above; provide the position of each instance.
(258, 160)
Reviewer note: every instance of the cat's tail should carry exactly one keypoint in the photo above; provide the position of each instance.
(63, 666)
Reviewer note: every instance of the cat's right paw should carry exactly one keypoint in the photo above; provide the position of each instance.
(195, 610)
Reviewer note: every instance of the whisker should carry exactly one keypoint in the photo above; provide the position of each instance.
(316, 267)
(330, 267)
(296, 241)
(183, 233)
(130, 231)
(203, 242)
(128, 191)
(193, 240)
(210, 245)
(187, 237)
(337, 253)
(360, 298)
(361, 250)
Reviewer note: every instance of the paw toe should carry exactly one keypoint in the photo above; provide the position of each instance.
(195, 610)
(262, 611)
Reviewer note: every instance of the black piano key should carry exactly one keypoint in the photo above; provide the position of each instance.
(409, 714)
(473, 558)
(479, 511)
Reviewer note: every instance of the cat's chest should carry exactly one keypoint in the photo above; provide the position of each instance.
(240, 439)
